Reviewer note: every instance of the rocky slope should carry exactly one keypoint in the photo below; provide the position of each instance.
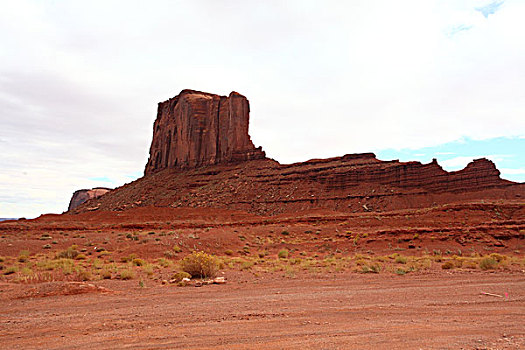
(353, 183)
(202, 156)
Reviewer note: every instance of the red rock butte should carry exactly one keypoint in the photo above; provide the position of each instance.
(201, 155)
(196, 129)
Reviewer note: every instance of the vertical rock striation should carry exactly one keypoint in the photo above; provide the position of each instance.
(197, 129)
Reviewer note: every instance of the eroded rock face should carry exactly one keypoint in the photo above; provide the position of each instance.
(82, 196)
(197, 129)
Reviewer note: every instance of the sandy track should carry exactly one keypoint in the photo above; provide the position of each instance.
(344, 311)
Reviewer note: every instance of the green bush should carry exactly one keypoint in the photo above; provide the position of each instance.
(283, 254)
(200, 264)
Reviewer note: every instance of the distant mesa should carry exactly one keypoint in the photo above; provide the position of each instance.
(202, 156)
(82, 196)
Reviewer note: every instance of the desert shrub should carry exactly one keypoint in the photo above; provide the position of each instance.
(296, 261)
(283, 254)
(84, 275)
(128, 258)
(488, 263)
(46, 246)
(180, 275)
(10, 270)
(138, 262)
(262, 254)
(148, 269)
(228, 252)
(69, 253)
(163, 262)
(26, 271)
(400, 271)
(23, 255)
(105, 274)
(400, 259)
(372, 268)
(246, 265)
(127, 275)
(498, 257)
(448, 265)
(177, 249)
(200, 264)
(285, 233)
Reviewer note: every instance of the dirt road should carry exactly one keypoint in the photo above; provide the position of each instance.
(340, 311)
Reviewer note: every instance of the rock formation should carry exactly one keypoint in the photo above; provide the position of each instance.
(196, 129)
(205, 138)
(82, 196)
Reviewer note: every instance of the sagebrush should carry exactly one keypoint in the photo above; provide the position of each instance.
(200, 264)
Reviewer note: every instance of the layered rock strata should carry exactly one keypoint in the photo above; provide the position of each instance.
(353, 183)
(195, 129)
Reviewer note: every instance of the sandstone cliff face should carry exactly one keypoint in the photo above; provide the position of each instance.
(197, 129)
(345, 172)
(82, 196)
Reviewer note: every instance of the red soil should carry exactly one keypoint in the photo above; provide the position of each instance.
(323, 309)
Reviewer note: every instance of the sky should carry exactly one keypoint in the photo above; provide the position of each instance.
(409, 80)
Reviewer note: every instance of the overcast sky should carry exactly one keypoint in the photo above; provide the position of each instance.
(80, 82)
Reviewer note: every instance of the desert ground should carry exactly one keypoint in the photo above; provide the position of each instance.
(446, 277)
